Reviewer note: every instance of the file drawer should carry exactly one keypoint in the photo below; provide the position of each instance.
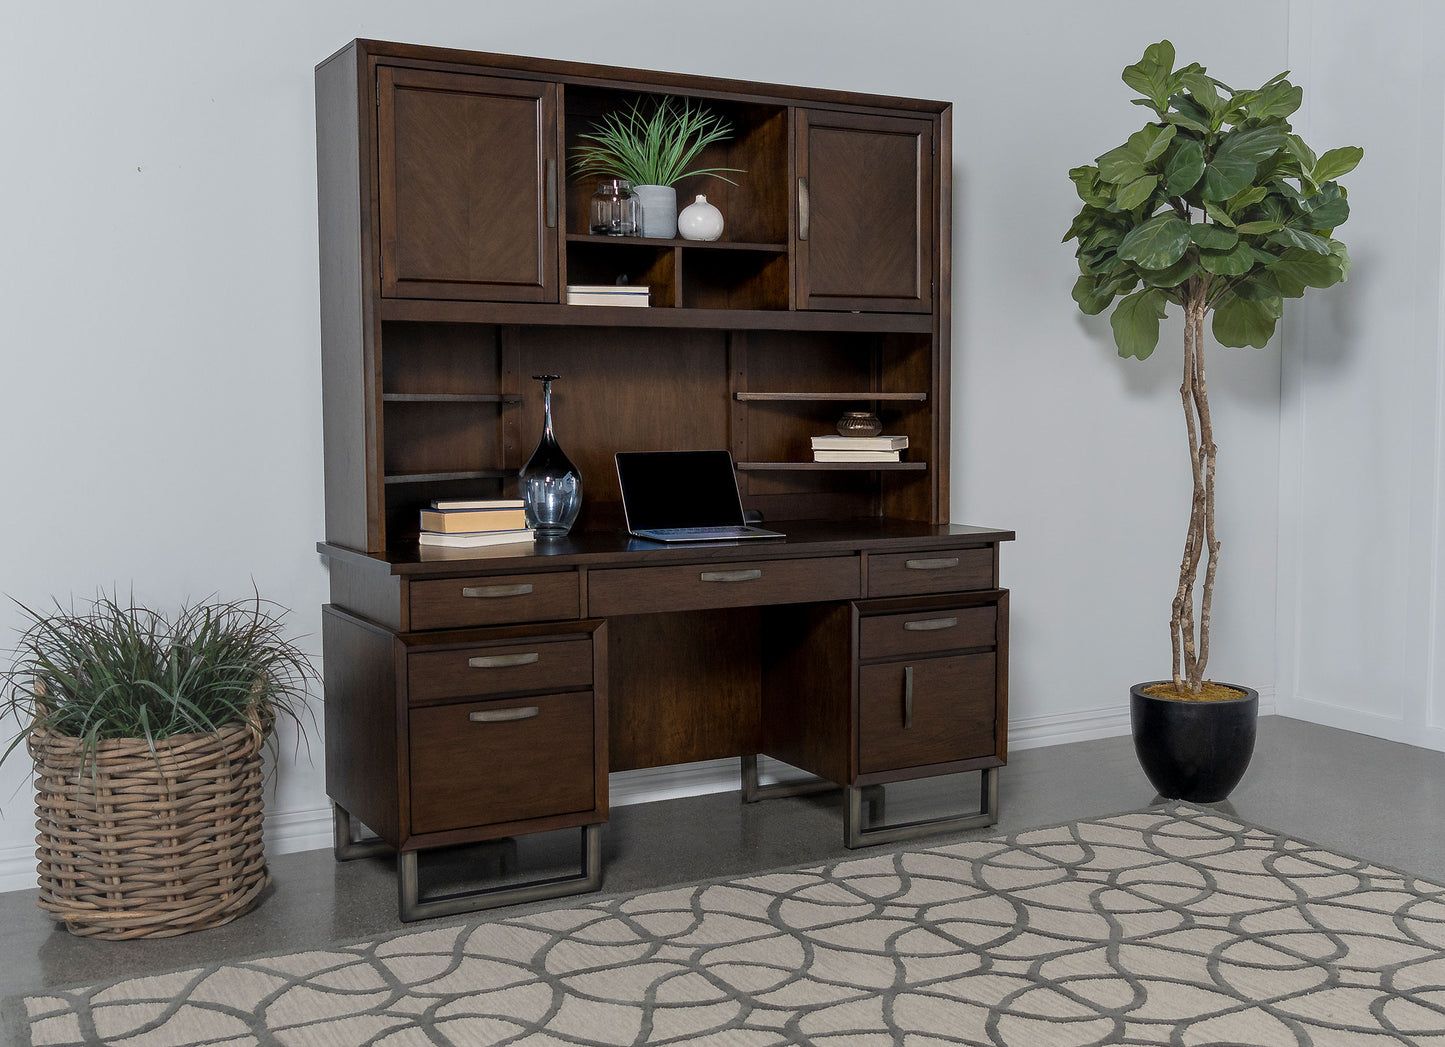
(482, 763)
(448, 603)
(928, 711)
(942, 571)
(927, 631)
(555, 665)
(645, 590)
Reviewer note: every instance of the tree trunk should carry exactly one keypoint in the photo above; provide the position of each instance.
(1189, 635)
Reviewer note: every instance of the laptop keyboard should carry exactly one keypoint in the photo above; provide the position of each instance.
(699, 532)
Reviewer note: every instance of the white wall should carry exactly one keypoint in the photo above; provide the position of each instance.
(161, 401)
(1361, 572)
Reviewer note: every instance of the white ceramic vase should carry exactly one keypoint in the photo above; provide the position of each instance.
(658, 204)
(700, 220)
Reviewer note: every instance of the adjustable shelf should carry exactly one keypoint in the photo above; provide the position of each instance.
(451, 398)
(832, 397)
(427, 478)
(822, 467)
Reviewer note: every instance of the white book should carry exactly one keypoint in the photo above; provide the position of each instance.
(634, 301)
(857, 456)
(475, 539)
(641, 289)
(476, 503)
(859, 443)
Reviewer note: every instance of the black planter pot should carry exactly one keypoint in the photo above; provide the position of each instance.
(1194, 751)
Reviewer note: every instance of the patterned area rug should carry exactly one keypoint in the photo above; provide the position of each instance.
(1176, 926)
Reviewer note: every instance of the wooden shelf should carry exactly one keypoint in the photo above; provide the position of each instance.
(886, 467)
(704, 245)
(426, 478)
(451, 398)
(834, 397)
(416, 310)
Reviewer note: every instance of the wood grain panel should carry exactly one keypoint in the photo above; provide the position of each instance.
(870, 208)
(463, 166)
(926, 630)
(683, 687)
(465, 773)
(952, 718)
(751, 583)
(933, 571)
(808, 688)
(494, 600)
(498, 669)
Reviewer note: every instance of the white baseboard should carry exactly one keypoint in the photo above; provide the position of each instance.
(1390, 728)
(288, 831)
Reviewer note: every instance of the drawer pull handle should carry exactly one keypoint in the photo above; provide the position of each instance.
(491, 592)
(928, 625)
(501, 661)
(731, 576)
(803, 209)
(526, 712)
(907, 697)
(939, 563)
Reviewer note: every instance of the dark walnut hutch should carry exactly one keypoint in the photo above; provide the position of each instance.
(481, 694)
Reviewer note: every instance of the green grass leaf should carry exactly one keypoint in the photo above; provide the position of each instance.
(1135, 321)
(1239, 322)
(1157, 243)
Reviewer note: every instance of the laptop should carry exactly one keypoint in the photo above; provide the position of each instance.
(683, 496)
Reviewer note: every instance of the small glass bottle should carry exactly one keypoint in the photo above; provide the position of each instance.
(614, 208)
(551, 486)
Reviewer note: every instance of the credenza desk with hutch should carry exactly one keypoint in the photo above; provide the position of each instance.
(482, 694)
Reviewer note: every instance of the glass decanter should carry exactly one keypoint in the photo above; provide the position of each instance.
(551, 486)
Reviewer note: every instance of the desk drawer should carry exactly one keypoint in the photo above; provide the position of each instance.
(932, 710)
(926, 631)
(563, 665)
(481, 763)
(940, 571)
(646, 590)
(451, 602)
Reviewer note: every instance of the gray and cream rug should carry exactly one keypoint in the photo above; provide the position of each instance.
(1176, 926)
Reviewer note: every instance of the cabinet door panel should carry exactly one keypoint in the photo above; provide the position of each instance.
(467, 175)
(931, 710)
(865, 212)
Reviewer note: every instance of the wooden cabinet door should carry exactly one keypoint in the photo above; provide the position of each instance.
(467, 175)
(865, 212)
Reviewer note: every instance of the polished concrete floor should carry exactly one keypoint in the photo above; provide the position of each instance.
(1371, 798)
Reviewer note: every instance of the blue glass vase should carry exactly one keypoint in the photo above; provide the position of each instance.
(550, 484)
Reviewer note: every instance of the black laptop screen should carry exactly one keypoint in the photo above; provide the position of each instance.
(678, 489)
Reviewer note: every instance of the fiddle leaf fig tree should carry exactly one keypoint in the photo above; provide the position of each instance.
(1214, 206)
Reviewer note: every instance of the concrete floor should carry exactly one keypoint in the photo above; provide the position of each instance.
(1371, 798)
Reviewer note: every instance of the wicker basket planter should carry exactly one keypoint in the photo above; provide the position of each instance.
(149, 845)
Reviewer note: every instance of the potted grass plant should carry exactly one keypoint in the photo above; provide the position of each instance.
(1217, 207)
(653, 148)
(147, 735)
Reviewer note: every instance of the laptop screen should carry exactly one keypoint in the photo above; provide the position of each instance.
(678, 489)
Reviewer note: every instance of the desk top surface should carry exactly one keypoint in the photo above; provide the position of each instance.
(617, 548)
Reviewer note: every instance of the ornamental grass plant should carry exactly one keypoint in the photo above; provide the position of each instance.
(652, 147)
(108, 670)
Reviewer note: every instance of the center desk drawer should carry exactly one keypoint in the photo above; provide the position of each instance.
(645, 590)
(448, 603)
(943, 571)
(556, 665)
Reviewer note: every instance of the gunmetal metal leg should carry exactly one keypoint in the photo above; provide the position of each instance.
(855, 834)
(347, 843)
(752, 792)
(413, 907)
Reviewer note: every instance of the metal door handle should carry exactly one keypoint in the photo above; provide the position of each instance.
(549, 193)
(907, 697)
(501, 661)
(730, 576)
(503, 715)
(803, 208)
(490, 592)
(939, 563)
(927, 625)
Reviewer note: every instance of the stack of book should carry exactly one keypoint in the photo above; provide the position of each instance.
(607, 294)
(462, 523)
(859, 448)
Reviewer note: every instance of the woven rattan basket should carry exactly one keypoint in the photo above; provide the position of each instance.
(149, 845)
